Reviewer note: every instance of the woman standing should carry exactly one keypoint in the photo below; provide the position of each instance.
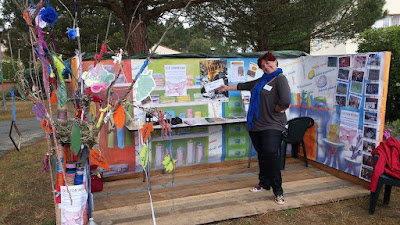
(266, 119)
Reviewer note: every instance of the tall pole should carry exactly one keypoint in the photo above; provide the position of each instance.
(4, 103)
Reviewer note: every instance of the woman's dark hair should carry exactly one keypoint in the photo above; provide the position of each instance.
(267, 57)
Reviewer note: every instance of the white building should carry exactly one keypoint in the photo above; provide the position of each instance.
(323, 47)
(163, 50)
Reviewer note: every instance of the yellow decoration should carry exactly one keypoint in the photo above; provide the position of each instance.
(168, 163)
(144, 156)
(102, 111)
(58, 62)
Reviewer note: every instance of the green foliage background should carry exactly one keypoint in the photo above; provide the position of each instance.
(386, 39)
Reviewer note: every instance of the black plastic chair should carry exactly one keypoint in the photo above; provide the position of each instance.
(388, 181)
(296, 128)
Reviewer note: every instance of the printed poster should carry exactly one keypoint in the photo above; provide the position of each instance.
(73, 203)
(214, 143)
(212, 70)
(236, 71)
(175, 80)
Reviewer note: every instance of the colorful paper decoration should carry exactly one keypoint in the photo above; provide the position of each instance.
(39, 110)
(144, 156)
(168, 163)
(61, 89)
(97, 78)
(118, 57)
(128, 113)
(92, 110)
(145, 131)
(61, 93)
(53, 97)
(120, 138)
(119, 117)
(110, 136)
(97, 158)
(102, 111)
(58, 62)
(76, 139)
(46, 127)
(144, 86)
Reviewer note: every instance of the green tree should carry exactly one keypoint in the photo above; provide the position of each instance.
(281, 24)
(92, 22)
(139, 14)
(386, 39)
(191, 39)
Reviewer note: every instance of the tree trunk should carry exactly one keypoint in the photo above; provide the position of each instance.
(262, 44)
(137, 40)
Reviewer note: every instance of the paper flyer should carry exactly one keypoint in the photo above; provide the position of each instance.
(236, 71)
(213, 85)
(175, 80)
(212, 70)
(251, 72)
(73, 202)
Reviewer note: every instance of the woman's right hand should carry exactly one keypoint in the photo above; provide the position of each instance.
(222, 88)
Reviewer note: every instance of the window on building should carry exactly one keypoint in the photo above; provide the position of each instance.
(386, 22)
(395, 20)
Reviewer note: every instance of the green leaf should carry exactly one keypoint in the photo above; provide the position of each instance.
(144, 156)
(76, 139)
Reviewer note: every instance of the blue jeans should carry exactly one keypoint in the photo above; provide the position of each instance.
(267, 144)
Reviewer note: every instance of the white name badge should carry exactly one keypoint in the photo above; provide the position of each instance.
(267, 87)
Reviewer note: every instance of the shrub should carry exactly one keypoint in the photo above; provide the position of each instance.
(392, 129)
(386, 39)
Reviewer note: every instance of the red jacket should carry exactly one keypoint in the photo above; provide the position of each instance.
(388, 161)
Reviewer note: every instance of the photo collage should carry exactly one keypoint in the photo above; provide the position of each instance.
(358, 87)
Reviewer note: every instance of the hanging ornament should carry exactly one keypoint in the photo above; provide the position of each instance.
(53, 97)
(119, 116)
(76, 139)
(144, 85)
(144, 156)
(39, 111)
(118, 57)
(97, 158)
(168, 163)
(71, 33)
(49, 15)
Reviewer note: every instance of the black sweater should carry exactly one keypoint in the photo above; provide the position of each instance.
(278, 95)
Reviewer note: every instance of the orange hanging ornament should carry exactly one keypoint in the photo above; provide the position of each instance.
(119, 117)
(53, 97)
(97, 158)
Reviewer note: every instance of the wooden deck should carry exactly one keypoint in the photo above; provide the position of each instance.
(203, 195)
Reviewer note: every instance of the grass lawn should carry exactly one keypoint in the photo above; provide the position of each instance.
(26, 194)
(23, 110)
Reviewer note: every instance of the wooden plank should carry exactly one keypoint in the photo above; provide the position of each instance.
(292, 188)
(164, 179)
(208, 194)
(115, 198)
(232, 203)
